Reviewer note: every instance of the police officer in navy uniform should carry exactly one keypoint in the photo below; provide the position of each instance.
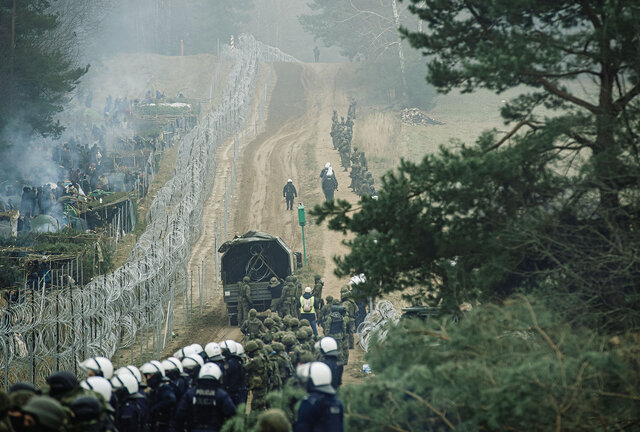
(235, 376)
(131, 415)
(321, 410)
(331, 356)
(162, 399)
(206, 406)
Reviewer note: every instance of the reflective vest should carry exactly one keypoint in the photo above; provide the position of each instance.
(312, 299)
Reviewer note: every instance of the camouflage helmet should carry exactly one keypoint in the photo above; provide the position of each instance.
(268, 348)
(253, 313)
(277, 336)
(308, 330)
(251, 347)
(294, 323)
(306, 357)
(301, 335)
(273, 420)
(277, 346)
(289, 340)
(269, 322)
(273, 282)
(329, 299)
(305, 323)
(317, 277)
(260, 343)
(246, 279)
(48, 411)
(344, 289)
(289, 278)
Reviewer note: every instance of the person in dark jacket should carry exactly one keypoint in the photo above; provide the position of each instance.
(321, 410)
(329, 184)
(206, 406)
(131, 415)
(289, 193)
(162, 399)
(235, 376)
(331, 356)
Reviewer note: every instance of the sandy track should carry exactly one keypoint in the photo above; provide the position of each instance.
(295, 143)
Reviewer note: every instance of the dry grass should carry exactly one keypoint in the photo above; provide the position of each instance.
(379, 135)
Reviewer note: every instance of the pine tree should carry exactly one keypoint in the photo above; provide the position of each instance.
(35, 75)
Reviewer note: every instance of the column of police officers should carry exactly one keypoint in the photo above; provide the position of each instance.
(200, 388)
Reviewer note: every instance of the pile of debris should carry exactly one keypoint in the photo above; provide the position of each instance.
(413, 116)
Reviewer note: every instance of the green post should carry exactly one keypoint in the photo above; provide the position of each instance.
(302, 220)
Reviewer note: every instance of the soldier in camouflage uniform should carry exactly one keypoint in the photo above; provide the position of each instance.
(317, 291)
(352, 310)
(267, 337)
(274, 369)
(336, 327)
(257, 371)
(285, 368)
(253, 327)
(244, 299)
(322, 315)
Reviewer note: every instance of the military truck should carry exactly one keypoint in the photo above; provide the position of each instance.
(260, 256)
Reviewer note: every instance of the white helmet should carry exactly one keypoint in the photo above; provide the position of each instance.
(327, 165)
(171, 363)
(152, 367)
(329, 346)
(197, 348)
(100, 385)
(330, 171)
(320, 377)
(126, 380)
(192, 361)
(240, 350)
(131, 369)
(302, 371)
(183, 352)
(229, 345)
(210, 370)
(101, 366)
(213, 351)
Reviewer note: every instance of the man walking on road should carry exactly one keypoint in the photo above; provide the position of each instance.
(289, 193)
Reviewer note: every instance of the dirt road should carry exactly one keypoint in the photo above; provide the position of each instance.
(294, 143)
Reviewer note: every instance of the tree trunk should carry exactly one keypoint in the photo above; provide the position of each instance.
(12, 51)
(396, 16)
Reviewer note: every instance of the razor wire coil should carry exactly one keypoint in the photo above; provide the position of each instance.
(54, 329)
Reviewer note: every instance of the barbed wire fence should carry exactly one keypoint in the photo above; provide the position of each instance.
(376, 323)
(131, 308)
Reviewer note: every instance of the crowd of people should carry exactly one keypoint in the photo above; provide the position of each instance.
(197, 389)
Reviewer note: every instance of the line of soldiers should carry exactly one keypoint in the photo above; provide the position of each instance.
(362, 182)
(342, 134)
(197, 389)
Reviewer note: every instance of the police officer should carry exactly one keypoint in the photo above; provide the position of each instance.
(214, 355)
(175, 372)
(321, 410)
(206, 406)
(330, 355)
(235, 377)
(131, 413)
(289, 193)
(253, 327)
(162, 399)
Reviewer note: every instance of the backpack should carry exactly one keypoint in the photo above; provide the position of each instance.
(306, 305)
